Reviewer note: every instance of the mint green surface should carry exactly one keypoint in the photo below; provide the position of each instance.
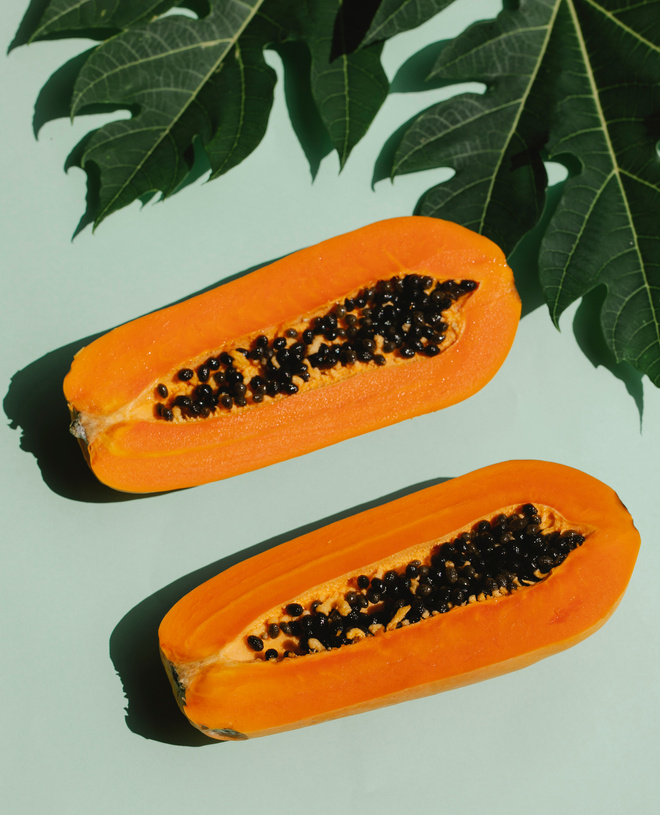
(87, 722)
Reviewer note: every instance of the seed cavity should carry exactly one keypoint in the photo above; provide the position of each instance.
(393, 320)
(497, 556)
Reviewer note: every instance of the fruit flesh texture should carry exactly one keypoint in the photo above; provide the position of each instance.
(392, 610)
(340, 341)
(143, 454)
(467, 644)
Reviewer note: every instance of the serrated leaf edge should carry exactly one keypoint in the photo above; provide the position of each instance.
(35, 34)
(373, 35)
(520, 102)
(617, 172)
(231, 41)
(241, 65)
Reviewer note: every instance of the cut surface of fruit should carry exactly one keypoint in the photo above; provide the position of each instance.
(396, 319)
(469, 579)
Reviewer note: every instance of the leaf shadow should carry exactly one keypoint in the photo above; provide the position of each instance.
(35, 404)
(301, 105)
(93, 188)
(384, 163)
(199, 165)
(588, 333)
(353, 20)
(524, 259)
(54, 99)
(412, 77)
(28, 24)
(54, 102)
(416, 73)
(151, 710)
(195, 157)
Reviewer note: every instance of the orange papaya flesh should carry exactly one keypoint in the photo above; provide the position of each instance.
(396, 319)
(460, 582)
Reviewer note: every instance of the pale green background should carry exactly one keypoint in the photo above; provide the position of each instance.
(86, 577)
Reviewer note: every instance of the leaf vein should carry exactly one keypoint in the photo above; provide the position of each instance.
(615, 20)
(252, 10)
(615, 167)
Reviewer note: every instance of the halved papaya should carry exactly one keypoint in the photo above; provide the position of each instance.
(453, 584)
(396, 319)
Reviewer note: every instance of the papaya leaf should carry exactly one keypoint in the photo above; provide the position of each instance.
(576, 82)
(93, 18)
(165, 72)
(245, 86)
(348, 88)
(395, 16)
(201, 79)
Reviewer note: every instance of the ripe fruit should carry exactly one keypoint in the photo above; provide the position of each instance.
(385, 323)
(460, 582)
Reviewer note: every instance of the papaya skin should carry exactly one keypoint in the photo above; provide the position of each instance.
(130, 449)
(237, 698)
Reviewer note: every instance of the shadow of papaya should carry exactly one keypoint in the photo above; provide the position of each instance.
(151, 710)
(35, 404)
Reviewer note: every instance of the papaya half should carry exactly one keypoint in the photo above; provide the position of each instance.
(396, 319)
(463, 581)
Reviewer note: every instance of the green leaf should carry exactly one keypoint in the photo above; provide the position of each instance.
(191, 80)
(348, 88)
(245, 86)
(577, 82)
(68, 17)
(164, 71)
(395, 16)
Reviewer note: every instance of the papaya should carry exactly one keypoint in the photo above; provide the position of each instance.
(396, 319)
(465, 580)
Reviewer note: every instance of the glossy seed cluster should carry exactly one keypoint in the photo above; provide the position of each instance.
(496, 557)
(399, 317)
